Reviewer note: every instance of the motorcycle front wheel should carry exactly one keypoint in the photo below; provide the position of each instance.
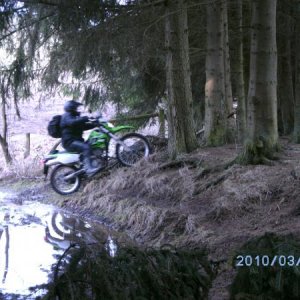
(133, 147)
(60, 184)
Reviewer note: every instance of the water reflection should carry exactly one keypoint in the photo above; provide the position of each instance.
(6, 254)
(24, 258)
(111, 246)
(32, 236)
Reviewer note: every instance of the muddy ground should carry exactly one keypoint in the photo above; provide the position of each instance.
(197, 201)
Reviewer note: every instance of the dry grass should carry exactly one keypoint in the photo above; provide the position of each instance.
(245, 190)
(29, 167)
(145, 201)
(23, 169)
(146, 181)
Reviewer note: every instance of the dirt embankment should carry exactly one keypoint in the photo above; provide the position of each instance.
(196, 202)
(196, 199)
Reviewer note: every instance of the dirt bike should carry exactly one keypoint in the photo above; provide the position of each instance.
(69, 169)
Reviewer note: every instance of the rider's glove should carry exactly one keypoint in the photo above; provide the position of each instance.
(93, 121)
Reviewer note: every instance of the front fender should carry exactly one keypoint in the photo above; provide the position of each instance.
(120, 128)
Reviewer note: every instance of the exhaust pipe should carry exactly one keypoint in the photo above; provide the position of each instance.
(79, 172)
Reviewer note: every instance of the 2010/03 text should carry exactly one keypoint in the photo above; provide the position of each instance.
(267, 261)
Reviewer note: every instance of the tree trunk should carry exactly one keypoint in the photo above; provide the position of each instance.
(27, 146)
(285, 82)
(181, 129)
(3, 137)
(297, 78)
(262, 95)
(162, 123)
(227, 75)
(238, 70)
(199, 113)
(215, 101)
(17, 105)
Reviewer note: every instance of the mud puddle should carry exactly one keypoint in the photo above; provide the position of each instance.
(32, 238)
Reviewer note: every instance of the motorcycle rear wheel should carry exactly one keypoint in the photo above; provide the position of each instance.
(60, 184)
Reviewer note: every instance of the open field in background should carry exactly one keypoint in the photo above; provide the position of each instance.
(35, 116)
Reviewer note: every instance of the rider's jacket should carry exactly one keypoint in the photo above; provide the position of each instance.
(72, 127)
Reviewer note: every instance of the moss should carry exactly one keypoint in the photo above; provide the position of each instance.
(220, 136)
(217, 137)
(261, 151)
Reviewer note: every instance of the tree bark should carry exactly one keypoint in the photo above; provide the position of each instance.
(238, 70)
(227, 75)
(27, 145)
(285, 82)
(3, 137)
(17, 105)
(181, 129)
(262, 139)
(162, 123)
(215, 99)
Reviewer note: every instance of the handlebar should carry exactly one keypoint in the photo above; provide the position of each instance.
(98, 120)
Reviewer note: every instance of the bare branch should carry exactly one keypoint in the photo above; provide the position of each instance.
(3, 37)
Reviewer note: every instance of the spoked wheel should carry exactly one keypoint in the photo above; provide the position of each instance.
(60, 184)
(133, 148)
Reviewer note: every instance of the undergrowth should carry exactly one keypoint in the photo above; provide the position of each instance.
(29, 168)
(90, 273)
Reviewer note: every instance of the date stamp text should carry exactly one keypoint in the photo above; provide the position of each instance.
(267, 261)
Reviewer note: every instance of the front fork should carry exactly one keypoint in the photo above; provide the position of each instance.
(116, 138)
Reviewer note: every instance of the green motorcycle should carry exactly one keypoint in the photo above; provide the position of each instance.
(108, 150)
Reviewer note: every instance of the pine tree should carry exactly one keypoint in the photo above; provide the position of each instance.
(262, 139)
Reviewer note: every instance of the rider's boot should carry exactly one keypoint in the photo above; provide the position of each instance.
(87, 166)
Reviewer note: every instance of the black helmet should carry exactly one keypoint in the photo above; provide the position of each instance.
(71, 106)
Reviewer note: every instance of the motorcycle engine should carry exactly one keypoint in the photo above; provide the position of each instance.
(98, 153)
(97, 159)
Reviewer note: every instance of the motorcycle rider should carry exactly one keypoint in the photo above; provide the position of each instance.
(72, 127)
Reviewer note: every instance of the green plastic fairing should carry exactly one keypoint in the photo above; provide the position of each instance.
(99, 139)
